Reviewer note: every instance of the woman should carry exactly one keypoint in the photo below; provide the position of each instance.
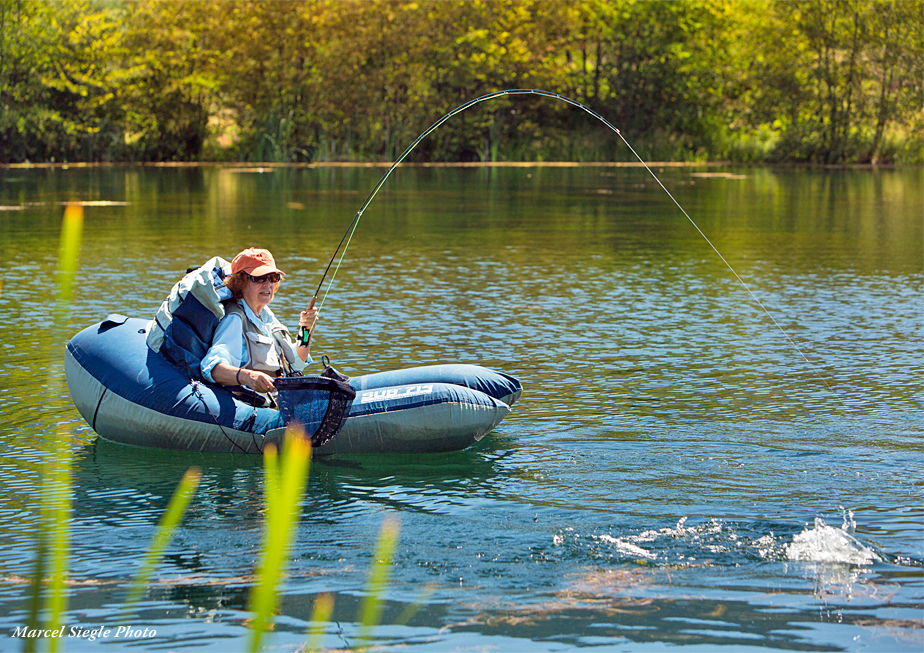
(250, 346)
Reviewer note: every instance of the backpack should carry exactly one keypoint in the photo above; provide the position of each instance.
(183, 327)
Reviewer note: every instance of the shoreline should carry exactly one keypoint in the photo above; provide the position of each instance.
(266, 167)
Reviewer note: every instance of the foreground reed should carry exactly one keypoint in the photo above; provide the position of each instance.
(284, 486)
(53, 550)
(168, 523)
(370, 610)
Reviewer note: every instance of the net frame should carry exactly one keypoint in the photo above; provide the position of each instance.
(296, 392)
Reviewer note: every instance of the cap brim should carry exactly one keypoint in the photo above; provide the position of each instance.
(265, 269)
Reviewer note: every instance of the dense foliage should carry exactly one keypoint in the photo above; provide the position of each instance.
(827, 81)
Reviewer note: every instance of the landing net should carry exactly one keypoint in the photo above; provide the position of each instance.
(314, 404)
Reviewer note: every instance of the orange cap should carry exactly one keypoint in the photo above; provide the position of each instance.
(256, 262)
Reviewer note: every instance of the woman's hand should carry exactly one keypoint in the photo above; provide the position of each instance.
(308, 317)
(259, 381)
(306, 322)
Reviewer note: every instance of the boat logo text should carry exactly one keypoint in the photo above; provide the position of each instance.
(387, 394)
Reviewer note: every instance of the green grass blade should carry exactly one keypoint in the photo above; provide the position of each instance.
(408, 613)
(53, 546)
(35, 586)
(68, 253)
(285, 482)
(168, 523)
(320, 615)
(370, 609)
(57, 491)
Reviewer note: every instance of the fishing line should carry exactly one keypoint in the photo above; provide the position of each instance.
(348, 236)
(728, 265)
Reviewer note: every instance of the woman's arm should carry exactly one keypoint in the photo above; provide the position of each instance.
(225, 374)
(222, 362)
(227, 347)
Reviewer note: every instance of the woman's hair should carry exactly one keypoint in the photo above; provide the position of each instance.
(236, 283)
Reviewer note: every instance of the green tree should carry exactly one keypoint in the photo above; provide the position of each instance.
(896, 59)
(270, 79)
(848, 72)
(827, 81)
(172, 90)
(661, 71)
(58, 84)
(478, 47)
(376, 78)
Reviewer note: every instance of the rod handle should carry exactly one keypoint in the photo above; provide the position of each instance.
(304, 333)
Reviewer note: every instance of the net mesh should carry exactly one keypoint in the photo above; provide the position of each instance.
(318, 405)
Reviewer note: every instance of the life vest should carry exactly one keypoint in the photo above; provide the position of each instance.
(273, 354)
(185, 323)
(183, 328)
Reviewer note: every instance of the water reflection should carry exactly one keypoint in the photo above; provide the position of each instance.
(438, 484)
(670, 445)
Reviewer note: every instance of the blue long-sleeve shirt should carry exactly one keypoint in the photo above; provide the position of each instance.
(229, 343)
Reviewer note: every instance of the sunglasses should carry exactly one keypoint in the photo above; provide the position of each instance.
(272, 276)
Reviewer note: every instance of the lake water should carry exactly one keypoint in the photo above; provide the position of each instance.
(678, 473)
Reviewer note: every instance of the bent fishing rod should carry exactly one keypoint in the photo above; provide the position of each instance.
(351, 228)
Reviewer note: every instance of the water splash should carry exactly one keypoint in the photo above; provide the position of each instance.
(627, 548)
(680, 544)
(824, 543)
(717, 542)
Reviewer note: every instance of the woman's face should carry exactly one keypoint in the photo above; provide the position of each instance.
(258, 295)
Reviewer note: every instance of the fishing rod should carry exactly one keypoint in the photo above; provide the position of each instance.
(490, 96)
(348, 235)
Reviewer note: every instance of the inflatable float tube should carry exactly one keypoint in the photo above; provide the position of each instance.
(132, 395)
